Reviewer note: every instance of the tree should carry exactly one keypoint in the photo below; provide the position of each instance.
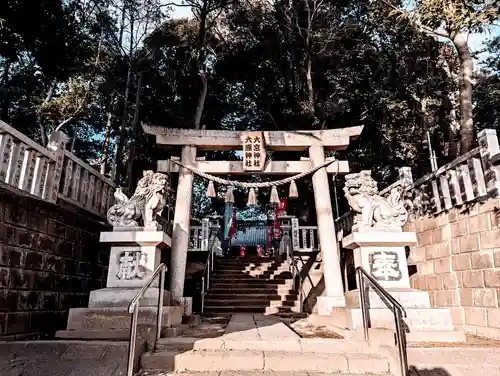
(454, 20)
(207, 13)
(487, 92)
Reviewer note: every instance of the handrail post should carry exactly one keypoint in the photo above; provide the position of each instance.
(131, 345)
(202, 294)
(401, 338)
(364, 310)
(159, 318)
(300, 295)
(208, 276)
(133, 309)
(391, 303)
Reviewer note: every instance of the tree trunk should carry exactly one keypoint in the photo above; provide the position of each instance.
(120, 136)
(201, 100)
(310, 88)
(454, 127)
(4, 110)
(308, 61)
(135, 127)
(201, 71)
(466, 70)
(41, 125)
(107, 137)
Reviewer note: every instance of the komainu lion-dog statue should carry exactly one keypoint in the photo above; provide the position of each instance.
(148, 201)
(374, 212)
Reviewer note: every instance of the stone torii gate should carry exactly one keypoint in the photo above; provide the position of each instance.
(315, 142)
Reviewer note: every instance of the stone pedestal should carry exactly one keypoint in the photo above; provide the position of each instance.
(135, 254)
(382, 255)
(133, 258)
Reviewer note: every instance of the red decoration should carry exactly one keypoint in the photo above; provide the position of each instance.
(269, 237)
(260, 250)
(281, 209)
(232, 230)
(243, 251)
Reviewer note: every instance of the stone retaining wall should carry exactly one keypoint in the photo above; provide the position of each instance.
(458, 262)
(50, 259)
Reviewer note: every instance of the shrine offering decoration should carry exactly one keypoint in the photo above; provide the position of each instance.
(274, 199)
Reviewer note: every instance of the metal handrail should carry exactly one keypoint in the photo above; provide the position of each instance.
(133, 308)
(295, 274)
(209, 267)
(397, 309)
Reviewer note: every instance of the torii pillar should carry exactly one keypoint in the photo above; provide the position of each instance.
(334, 290)
(181, 226)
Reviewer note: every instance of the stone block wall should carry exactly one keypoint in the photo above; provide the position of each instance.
(458, 263)
(50, 259)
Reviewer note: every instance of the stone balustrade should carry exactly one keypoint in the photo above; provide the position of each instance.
(343, 224)
(456, 256)
(195, 238)
(51, 173)
(305, 238)
(472, 177)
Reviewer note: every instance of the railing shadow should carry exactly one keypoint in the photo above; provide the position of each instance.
(309, 301)
(438, 371)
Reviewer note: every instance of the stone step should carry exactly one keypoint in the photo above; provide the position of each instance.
(292, 315)
(307, 345)
(282, 289)
(247, 259)
(249, 284)
(119, 318)
(248, 303)
(240, 264)
(227, 296)
(217, 315)
(249, 280)
(386, 336)
(236, 309)
(285, 274)
(177, 344)
(238, 303)
(94, 334)
(239, 278)
(248, 287)
(417, 319)
(277, 361)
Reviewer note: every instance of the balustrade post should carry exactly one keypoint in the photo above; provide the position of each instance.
(490, 155)
(57, 145)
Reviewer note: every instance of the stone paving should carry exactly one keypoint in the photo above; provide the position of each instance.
(455, 361)
(63, 358)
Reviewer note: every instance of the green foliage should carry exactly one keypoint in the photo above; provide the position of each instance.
(487, 90)
(457, 16)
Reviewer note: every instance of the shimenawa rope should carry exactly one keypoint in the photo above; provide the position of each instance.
(267, 184)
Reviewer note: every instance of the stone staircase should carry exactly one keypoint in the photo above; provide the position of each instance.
(251, 285)
(257, 343)
(307, 355)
